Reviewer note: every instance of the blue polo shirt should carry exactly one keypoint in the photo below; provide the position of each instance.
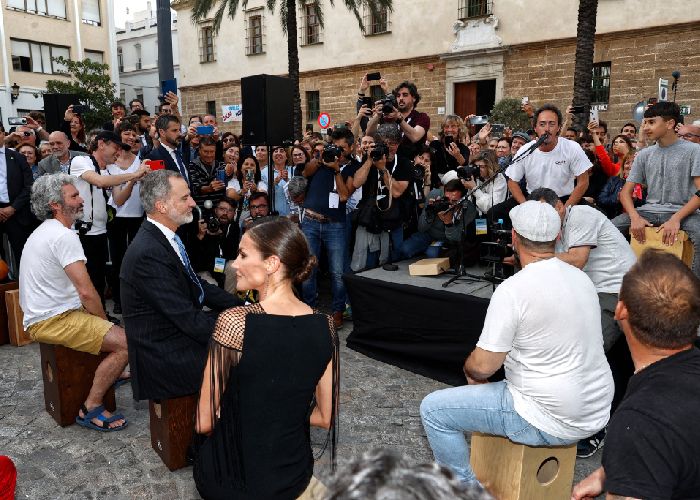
(320, 185)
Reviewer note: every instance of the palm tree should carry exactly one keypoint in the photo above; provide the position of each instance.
(583, 69)
(288, 9)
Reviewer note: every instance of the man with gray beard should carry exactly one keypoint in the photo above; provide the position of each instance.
(163, 299)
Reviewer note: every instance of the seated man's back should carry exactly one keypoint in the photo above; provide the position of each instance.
(555, 368)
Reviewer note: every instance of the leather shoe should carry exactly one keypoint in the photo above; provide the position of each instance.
(338, 319)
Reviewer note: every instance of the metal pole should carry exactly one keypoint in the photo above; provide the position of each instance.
(165, 42)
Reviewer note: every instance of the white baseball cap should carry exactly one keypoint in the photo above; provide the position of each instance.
(536, 221)
(448, 176)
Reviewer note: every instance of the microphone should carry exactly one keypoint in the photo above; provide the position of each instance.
(540, 140)
(676, 76)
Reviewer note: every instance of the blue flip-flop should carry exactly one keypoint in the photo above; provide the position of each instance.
(96, 412)
(121, 381)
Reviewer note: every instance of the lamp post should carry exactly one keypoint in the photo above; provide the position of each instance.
(14, 94)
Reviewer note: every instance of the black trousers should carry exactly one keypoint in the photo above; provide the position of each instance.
(120, 233)
(17, 235)
(95, 248)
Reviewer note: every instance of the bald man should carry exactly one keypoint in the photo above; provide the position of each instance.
(690, 133)
(60, 157)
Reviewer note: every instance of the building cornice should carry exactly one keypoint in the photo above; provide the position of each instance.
(179, 5)
(450, 56)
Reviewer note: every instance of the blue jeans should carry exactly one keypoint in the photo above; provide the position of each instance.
(416, 244)
(396, 236)
(486, 408)
(332, 236)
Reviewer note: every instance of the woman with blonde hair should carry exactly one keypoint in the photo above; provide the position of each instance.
(495, 191)
(449, 149)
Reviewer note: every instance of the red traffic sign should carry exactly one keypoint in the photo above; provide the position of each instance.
(324, 120)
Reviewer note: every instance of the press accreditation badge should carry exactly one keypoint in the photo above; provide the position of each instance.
(219, 264)
(333, 200)
(481, 227)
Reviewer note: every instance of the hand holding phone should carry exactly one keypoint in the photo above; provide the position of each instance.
(156, 164)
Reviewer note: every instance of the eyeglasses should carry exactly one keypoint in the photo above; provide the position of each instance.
(298, 154)
(690, 136)
(258, 206)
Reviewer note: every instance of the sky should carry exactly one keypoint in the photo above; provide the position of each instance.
(120, 6)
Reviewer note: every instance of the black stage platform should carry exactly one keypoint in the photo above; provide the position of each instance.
(416, 324)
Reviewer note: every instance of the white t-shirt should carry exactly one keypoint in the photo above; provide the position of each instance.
(98, 215)
(236, 186)
(45, 289)
(555, 170)
(547, 318)
(610, 257)
(132, 206)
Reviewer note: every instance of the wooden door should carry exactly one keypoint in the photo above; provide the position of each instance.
(465, 98)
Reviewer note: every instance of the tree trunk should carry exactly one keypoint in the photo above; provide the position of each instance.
(293, 54)
(583, 70)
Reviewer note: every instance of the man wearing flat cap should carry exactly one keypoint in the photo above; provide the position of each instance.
(543, 325)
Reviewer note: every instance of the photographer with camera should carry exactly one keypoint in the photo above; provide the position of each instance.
(399, 108)
(483, 167)
(365, 104)
(330, 182)
(384, 177)
(439, 220)
(93, 186)
(216, 241)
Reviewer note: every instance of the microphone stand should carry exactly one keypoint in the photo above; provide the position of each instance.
(460, 272)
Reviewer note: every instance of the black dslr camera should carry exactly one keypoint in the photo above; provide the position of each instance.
(389, 103)
(83, 227)
(467, 172)
(380, 149)
(432, 209)
(331, 152)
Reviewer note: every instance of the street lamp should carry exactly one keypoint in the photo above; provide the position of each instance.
(14, 94)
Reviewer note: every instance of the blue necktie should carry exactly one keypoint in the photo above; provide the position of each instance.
(181, 166)
(188, 267)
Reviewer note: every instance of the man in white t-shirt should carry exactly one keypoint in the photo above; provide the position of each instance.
(543, 326)
(59, 301)
(92, 228)
(554, 164)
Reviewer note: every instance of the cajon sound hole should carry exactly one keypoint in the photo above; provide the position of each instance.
(49, 372)
(548, 471)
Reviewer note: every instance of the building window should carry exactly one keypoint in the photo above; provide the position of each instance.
(254, 32)
(310, 25)
(600, 84)
(137, 50)
(211, 108)
(377, 22)
(313, 105)
(95, 56)
(54, 8)
(206, 44)
(91, 12)
(37, 57)
(469, 9)
(139, 93)
(376, 93)
(122, 95)
(120, 59)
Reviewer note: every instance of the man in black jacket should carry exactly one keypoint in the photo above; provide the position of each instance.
(15, 217)
(162, 297)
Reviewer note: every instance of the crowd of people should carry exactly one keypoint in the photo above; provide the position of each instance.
(211, 241)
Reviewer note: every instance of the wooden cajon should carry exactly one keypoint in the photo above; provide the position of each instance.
(68, 376)
(682, 248)
(4, 331)
(18, 336)
(512, 471)
(172, 425)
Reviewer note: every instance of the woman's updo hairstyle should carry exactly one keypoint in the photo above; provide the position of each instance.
(281, 237)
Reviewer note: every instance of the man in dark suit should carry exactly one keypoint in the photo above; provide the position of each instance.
(170, 150)
(16, 180)
(162, 298)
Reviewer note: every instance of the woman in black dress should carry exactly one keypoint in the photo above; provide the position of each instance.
(272, 371)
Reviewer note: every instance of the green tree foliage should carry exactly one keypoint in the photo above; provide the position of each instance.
(90, 81)
(507, 111)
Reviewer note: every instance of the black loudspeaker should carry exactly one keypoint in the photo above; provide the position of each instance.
(55, 106)
(268, 103)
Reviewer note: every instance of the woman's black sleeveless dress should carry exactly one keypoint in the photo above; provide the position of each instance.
(270, 366)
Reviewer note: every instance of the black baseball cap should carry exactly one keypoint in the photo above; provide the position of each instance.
(109, 136)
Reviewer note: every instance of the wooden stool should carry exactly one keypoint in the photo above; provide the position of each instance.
(4, 335)
(512, 471)
(68, 377)
(15, 316)
(172, 425)
(682, 248)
